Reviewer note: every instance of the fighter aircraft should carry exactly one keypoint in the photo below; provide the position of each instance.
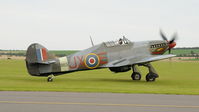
(119, 56)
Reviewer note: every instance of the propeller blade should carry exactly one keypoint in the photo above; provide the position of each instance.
(173, 38)
(163, 35)
(171, 43)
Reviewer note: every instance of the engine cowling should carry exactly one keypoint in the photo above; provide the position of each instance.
(120, 69)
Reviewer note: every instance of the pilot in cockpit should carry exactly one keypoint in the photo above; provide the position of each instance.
(120, 41)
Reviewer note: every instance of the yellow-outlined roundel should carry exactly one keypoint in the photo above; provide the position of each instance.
(91, 61)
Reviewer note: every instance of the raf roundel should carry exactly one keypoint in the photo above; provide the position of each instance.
(91, 61)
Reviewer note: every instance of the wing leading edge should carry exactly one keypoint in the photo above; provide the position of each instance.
(136, 60)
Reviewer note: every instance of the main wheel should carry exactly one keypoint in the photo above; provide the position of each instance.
(50, 79)
(150, 77)
(136, 76)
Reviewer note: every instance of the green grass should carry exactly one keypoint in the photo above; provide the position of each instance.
(175, 78)
(23, 52)
(183, 51)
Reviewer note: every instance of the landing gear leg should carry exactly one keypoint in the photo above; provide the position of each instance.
(152, 75)
(50, 78)
(136, 75)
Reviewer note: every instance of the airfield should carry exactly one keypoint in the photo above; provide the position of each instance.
(176, 77)
(176, 89)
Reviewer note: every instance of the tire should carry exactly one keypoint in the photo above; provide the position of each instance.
(150, 77)
(50, 79)
(136, 76)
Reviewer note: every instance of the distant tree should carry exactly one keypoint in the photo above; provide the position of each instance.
(192, 52)
(197, 56)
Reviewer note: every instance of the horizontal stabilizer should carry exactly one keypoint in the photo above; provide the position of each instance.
(47, 62)
(38, 60)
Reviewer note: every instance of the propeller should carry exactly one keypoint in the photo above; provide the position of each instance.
(171, 42)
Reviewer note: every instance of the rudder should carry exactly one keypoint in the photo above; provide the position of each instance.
(38, 57)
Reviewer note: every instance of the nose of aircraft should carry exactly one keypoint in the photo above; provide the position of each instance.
(172, 45)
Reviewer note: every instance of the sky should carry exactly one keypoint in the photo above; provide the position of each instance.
(67, 24)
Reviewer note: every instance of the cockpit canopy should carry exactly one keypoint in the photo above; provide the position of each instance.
(121, 41)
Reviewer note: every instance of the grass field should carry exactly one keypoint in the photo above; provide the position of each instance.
(184, 51)
(23, 52)
(175, 78)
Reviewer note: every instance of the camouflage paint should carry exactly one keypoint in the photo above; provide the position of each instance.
(76, 62)
(88, 61)
(103, 58)
(108, 54)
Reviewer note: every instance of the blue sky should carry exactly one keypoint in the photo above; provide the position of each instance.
(67, 24)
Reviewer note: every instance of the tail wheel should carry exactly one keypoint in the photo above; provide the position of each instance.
(136, 76)
(150, 77)
(50, 79)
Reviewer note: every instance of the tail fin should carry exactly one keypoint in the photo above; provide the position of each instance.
(36, 53)
(37, 58)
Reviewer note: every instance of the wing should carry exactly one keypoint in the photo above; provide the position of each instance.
(136, 60)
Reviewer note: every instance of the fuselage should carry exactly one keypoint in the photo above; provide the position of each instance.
(98, 56)
(40, 63)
